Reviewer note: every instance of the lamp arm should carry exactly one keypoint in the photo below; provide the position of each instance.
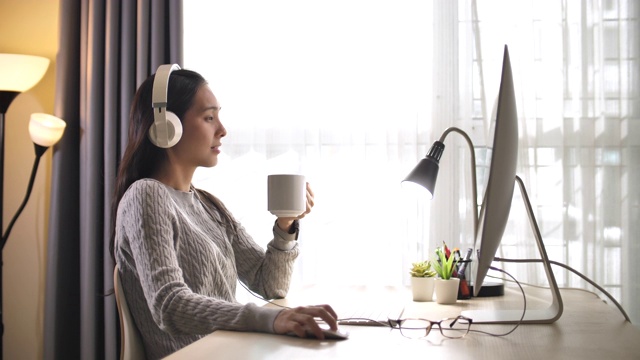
(474, 184)
(39, 151)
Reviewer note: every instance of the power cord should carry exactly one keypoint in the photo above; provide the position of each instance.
(513, 279)
(524, 307)
(575, 272)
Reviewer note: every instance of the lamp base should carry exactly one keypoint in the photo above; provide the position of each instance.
(489, 289)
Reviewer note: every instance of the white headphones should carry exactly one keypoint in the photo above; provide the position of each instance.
(166, 129)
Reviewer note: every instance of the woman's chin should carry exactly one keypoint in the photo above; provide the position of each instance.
(209, 162)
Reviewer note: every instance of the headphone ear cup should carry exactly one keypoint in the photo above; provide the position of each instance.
(174, 131)
(174, 121)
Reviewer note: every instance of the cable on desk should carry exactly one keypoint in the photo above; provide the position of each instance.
(379, 323)
(524, 309)
(584, 277)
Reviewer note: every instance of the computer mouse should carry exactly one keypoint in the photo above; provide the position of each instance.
(335, 334)
(328, 334)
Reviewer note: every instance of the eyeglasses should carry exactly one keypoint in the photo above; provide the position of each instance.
(452, 328)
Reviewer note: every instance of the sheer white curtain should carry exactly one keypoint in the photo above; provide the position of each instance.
(352, 94)
(576, 71)
(337, 91)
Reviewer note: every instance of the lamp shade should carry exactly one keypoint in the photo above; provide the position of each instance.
(45, 130)
(21, 72)
(426, 172)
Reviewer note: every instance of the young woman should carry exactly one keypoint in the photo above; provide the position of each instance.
(180, 252)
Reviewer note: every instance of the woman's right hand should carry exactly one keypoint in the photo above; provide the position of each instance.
(302, 320)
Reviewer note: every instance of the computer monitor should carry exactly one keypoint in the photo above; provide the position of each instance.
(496, 207)
(502, 172)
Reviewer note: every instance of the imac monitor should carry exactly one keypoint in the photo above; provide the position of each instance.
(497, 205)
(502, 172)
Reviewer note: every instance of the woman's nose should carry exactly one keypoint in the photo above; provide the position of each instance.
(222, 131)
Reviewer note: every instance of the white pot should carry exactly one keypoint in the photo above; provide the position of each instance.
(422, 288)
(447, 290)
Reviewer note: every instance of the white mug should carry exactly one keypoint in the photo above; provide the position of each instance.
(287, 195)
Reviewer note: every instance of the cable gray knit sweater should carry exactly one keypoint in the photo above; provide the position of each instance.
(179, 267)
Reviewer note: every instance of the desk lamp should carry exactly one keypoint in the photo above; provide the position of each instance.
(425, 174)
(18, 73)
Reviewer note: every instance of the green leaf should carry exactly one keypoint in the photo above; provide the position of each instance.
(444, 266)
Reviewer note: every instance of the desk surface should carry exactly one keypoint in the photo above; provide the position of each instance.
(588, 329)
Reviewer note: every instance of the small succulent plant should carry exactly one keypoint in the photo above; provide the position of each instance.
(422, 269)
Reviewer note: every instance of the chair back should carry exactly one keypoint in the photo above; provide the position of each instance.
(131, 346)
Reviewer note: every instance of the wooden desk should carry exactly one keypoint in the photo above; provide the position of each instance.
(588, 329)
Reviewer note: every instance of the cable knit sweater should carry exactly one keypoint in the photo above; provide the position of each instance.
(179, 268)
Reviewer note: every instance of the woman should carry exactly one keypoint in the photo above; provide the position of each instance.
(179, 250)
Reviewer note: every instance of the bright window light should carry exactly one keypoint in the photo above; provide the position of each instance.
(334, 90)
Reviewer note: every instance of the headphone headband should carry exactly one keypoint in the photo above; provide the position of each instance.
(161, 85)
(160, 126)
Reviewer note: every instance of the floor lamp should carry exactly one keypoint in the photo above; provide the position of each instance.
(18, 73)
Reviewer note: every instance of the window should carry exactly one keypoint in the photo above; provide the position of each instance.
(337, 91)
(352, 94)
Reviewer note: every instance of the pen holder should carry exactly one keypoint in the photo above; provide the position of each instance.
(462, 268)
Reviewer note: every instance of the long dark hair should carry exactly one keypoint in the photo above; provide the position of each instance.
(141, 158)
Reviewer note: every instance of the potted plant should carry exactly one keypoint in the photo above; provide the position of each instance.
(422, 280)
(446, 286)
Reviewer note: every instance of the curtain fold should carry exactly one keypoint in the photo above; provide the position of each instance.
(107, 48)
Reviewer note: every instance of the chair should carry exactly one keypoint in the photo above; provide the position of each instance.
(131, 346)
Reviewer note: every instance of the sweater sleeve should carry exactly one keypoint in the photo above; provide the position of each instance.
(153, 233)
(267, 273)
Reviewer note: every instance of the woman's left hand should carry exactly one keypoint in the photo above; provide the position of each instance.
(285, 223)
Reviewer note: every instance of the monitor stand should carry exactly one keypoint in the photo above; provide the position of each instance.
(536, 316)
(489, 289)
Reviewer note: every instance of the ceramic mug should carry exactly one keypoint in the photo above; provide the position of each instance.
(286, 195)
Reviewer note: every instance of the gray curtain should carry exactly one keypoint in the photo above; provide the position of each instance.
(107, 48)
